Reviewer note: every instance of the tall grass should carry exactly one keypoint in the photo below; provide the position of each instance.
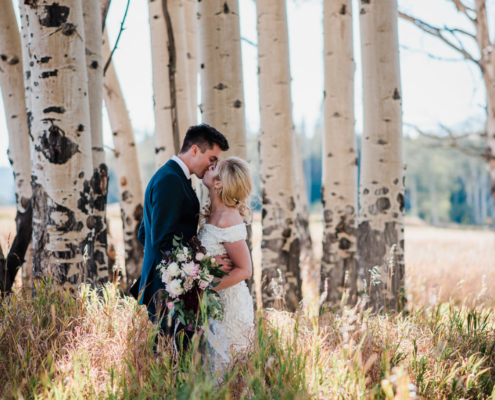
(99, 345)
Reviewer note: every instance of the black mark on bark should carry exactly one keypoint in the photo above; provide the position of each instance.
(47, 74)
(56, 147)
(53, 109)
(396, 95)
(54, 15)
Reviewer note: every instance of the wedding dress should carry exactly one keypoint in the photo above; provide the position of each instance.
(233, 333)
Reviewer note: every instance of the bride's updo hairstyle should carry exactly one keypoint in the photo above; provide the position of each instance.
(237, 182)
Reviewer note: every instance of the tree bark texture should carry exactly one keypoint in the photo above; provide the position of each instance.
(12, 84)
(174, 13)
(381, 191)
(17, 253)
(280, 242)
(99, 181)
(27, 267)
(191, 20)
(303, 211)
(128, 169)
(164, 136)
(339, 180)
(222, 92)
(62, 161)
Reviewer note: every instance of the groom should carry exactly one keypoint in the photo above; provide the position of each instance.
(171, 208)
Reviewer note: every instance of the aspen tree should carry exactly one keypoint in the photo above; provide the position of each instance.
(61, 130)
(222, 92)
(164, 136)
(12, 84)
(339, 179)
(99, 181)
(174, 13)
(191, 20)
(280, 242)
(128, 169)
(381, 192)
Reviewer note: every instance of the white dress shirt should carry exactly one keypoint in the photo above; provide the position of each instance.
(183, 166)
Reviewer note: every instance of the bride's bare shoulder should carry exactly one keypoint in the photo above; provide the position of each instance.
(230, 217)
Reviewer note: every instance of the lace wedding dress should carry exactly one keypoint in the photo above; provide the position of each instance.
(233, 333)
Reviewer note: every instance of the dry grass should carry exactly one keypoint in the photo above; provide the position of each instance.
(99, 345)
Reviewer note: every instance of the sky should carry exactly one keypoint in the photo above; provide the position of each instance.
(434, 91)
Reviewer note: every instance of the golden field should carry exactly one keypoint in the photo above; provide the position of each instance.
(98, 344)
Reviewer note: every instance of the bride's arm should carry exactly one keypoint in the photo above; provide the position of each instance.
(239, 254)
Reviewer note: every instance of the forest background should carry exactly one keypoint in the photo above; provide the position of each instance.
(446, 181)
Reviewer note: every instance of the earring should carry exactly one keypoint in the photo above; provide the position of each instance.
(216, 191)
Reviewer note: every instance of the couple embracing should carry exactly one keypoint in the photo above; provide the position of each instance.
(171, 208)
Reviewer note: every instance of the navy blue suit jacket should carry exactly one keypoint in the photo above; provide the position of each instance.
(171, 207)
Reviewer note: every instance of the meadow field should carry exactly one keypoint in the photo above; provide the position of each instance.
(99, 345)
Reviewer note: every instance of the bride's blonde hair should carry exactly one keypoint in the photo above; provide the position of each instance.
(237, 181)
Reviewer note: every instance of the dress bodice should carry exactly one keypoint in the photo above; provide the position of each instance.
(212, 237)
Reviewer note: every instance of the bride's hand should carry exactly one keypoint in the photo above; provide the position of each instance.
(225, 262)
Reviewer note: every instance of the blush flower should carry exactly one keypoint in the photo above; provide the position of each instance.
(200, 256)
(166, 277)
(190, 269)
(203, 284)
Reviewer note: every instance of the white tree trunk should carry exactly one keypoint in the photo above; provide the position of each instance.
(12, 84)
(303, 211)
(280, 243)
(128, 168)
(164, 137)
(222, 92)
(62, 160)
(339, 186)
(191, 20)
(181, 73)
(99, 181)
(381, 192)
(27, 267)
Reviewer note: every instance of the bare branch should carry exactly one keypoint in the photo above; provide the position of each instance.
(463, 9)
(438, 33)
(118, 38)
(451, 141)
(433, 56)
(249, 42)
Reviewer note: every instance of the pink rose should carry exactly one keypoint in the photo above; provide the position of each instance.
(170, 305)
(203, 284)
(200, 256)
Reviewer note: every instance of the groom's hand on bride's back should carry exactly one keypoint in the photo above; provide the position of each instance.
(225, 263)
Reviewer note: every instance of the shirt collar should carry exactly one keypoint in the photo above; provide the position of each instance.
(183, 166)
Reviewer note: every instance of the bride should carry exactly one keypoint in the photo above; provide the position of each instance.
(223, 231)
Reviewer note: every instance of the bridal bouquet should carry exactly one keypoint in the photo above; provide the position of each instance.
(188, 272)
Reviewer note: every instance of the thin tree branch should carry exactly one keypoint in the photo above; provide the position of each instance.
(118, 38)
(248, 41)
(105, 5)
(438, 33)
(433, 56)
(462, 8)
(453, 142)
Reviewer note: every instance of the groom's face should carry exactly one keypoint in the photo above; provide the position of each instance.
(203, 161)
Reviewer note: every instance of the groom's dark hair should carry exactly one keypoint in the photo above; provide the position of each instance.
(205, 137)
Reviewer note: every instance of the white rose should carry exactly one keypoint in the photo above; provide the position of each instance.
(181, 257)
(200, 256)
(173, 269)
(175, 287)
